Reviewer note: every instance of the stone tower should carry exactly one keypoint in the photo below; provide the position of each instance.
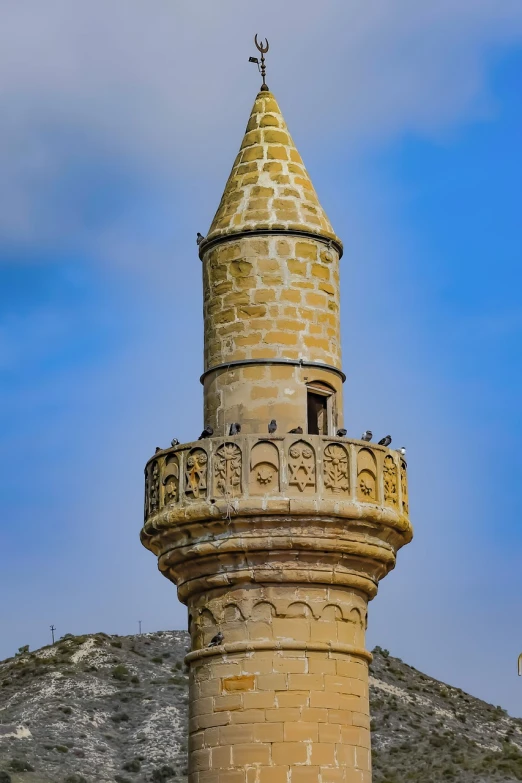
(276, 540)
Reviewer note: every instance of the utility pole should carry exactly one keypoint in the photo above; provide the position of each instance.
(53, 629)
(139, 623)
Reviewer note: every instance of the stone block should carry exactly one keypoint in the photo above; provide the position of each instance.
(288, 753)
(296, 699)
(268, 732)
(309, 682)
(306, 250)
(297, 267)
(221, 756)
(291, 665)
(234, 734)
(272, 682)
(301, 732)
(247, 716)
(252, 153)
(256, 700)
(308, 774)
(233, 701)
(269, 121)
(280, 338)
(275, 152)
(275, 137)
(327, 288)
(273, 774)
(251, 753)
(282, 714)
(320, 271)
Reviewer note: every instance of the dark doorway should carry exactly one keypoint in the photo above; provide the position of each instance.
(317, 414)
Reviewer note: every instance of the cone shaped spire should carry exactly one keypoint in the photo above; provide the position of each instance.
(269, 187)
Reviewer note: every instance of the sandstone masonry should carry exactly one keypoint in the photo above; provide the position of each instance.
(275, 540)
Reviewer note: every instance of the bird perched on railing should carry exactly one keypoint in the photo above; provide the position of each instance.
(341, 433)
(296, 431)
(402, 451)
(199, 238)
(272, 427)
(216, 640)
(207, 433)
(174, 442)
(385, 441)
(235, 429)
(367, 436)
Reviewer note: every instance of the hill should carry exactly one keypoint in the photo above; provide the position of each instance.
(100, 709)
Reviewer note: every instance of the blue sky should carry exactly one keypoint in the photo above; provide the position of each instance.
(120, 131)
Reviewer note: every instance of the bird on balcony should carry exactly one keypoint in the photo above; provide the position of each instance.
(402, 451)
(341, 433)
(296, 431)
(235, 429)
(272, 427)
(367, 436)
(207, 433)
(216, 640)
(174, 442)
(385, 441)
(199, 238)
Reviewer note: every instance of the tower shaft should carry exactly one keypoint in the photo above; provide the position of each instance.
(275, 537)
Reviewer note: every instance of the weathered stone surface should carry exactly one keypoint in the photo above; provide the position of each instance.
(277, 541)
(268, 147)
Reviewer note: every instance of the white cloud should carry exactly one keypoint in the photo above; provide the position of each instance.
(164, 89)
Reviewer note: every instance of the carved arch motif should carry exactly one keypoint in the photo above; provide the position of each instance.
(391, 489)
(335, 463)
(404, 488)
(298, 609)
(154, 487)
(264, 468)
(301, 467)
(227, 470)
(146, 499)
(171, 479)
(355, 616)
(263, 611)
(196, 474)
(206, 619)
(232, 613)
(331, 613)
(366, 475)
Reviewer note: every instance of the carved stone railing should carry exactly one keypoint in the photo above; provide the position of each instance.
(258, 468)
(298, 508)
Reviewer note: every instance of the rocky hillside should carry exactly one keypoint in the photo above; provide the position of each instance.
(107, 708)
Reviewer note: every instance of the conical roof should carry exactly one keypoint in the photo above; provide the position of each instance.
(269, 187)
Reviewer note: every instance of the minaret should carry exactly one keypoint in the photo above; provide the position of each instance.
(276, 540)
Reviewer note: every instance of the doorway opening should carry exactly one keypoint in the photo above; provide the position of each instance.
(320, 413)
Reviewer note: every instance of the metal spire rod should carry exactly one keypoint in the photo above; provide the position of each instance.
(263, 48)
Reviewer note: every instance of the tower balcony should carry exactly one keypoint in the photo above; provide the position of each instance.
(276, 508)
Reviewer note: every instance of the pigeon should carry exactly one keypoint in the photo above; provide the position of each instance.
(385, 441)
(296, 431)
(272, 426)
(235, 429)
(174, 442)
(216, 640)
(199, 238)
(207, 433)
(402, 451)
(341, 433)
(158, 448)
(367, 436)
